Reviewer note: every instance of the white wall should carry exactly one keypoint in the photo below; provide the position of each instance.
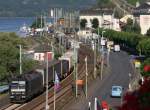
(40, 56)
(144, 23)
(101, 19)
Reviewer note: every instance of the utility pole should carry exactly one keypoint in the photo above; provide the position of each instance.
(102, 56)
(86, 75)
(75, 64)
(95, 104)
(108, 53)
(89, 107)
(94, 58)
(47, 106)
(98, 40)
(20, 59)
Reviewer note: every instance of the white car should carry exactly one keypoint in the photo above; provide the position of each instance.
(116, 91)
(117, 48)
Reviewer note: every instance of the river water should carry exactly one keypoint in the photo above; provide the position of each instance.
(13, 24)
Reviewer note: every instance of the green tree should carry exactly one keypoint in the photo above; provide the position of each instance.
(144, 46)
(148, 32)
(9, 55)
(146, 62)
(136, 28)
(132, 26)
(83, 23)
(95, 23)
(38, 23)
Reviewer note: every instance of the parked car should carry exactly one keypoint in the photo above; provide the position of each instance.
(104, 105)
(117, 48)
(116, 91)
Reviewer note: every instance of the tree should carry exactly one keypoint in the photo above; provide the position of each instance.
(144, 46)
(148, 32)
(95, 23)
(38, 23)
(132, 26)
(9, 55)
(83, 23)
(145, 73)
(138, 99)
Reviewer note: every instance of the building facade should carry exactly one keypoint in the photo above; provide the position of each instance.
(142, 16)
(105, 17)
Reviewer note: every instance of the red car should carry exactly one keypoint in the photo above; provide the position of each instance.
(104, 105)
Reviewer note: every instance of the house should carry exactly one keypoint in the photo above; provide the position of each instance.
(43, 55)
(105, 17)
(142, 16)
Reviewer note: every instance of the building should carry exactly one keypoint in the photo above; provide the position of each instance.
(105, 17)
(142, 16)
(42, 56)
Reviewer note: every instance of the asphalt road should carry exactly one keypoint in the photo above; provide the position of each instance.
(118, 74)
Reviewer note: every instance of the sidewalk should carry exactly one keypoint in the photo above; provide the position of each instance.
(135, 77)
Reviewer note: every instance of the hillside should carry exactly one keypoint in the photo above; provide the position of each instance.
(35, 7)
(133, 2)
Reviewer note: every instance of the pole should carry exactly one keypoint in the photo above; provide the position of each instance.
(86, 74)
(98, 39)
(102, 57)
(47, 106)
(54, 88)
(94, 58)
(89, 108)
(52, 50)
(108, 53)
(76, 77)
(20, 59)
(61, 69)
(95, 104)
(76, 65)
(41, 25)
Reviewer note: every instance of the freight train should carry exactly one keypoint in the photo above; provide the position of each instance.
(29, 85)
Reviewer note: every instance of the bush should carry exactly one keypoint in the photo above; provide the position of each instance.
(146, 62)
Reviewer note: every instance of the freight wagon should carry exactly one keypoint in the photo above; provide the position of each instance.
(27, 86)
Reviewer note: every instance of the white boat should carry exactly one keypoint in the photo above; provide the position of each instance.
(25, 29)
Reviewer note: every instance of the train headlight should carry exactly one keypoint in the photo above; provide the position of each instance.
(11, 96)
(23, 96)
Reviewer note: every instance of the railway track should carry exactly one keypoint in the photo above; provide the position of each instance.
(39, 102)
(60, 98)
(12, 106)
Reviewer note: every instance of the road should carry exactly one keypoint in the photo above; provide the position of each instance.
(118, 74)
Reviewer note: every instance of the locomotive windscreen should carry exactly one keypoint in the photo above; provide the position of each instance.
(17, 86)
